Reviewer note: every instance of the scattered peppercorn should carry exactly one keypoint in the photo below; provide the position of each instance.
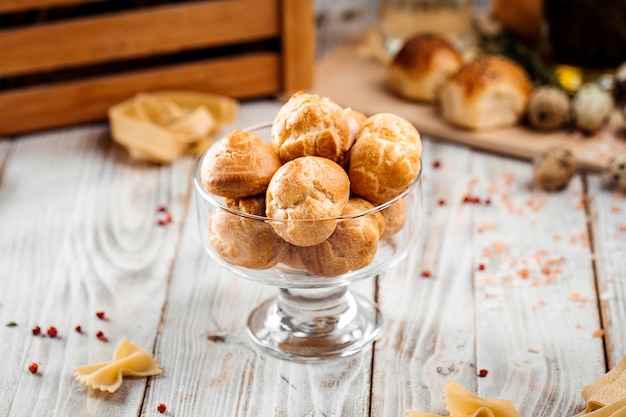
(52, 331)
(165, 218)
(33, 367)
(78, 329)
(473, 199)
(436, 164)
(161, 408)
(216, 338)
(483, 373)
(11, 324)
(100, 335)
(426, 273)
(481, 267)
(100, 315)
(36, 330)
(442, 202)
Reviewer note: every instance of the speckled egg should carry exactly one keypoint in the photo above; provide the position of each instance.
(553, 169)
(548, 108)
(592, 107)
(617, 169)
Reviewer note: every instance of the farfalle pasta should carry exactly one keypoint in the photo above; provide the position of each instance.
(128, 360)
(462, 403)
(604, 398)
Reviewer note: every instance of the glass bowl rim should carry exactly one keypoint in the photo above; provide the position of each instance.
(213, 200)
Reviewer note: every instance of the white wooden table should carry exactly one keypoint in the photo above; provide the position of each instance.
(520, 287)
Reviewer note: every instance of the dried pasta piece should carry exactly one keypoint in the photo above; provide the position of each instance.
(413, 413)
(616, 409)
(607, 395)
(161, 126)
(462, 403)
(128, 360)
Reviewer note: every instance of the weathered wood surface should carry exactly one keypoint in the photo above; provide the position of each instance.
(79, 234)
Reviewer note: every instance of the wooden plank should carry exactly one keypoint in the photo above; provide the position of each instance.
(210, 366)
(535, 300)
(429, 327)
(88, 100)
(298, 44)
(135, 34)
(204, 344)
(608, 222)
(354, 78)
(12, 6)
(533, 335)
(77, 238)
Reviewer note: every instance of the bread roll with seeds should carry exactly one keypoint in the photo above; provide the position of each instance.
(489, 93)
(422, 65)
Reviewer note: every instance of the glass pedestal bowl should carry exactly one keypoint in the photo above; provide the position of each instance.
(312, 317)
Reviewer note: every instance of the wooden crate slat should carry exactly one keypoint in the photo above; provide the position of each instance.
(42, 107)
(298, 44)
(12, 6)
(134, 34)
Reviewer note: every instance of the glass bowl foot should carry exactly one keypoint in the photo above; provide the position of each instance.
(310, 325)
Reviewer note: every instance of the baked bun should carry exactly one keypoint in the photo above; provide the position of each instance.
(352, 246)
(243, 241)
(395, 216)
(385, 159)
(490, 92)
(421, 66)
(303, 191)
(309, 125)
(356, 120)
(239, 165)
(291, 256)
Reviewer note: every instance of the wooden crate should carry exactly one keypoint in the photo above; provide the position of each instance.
(71, 70)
